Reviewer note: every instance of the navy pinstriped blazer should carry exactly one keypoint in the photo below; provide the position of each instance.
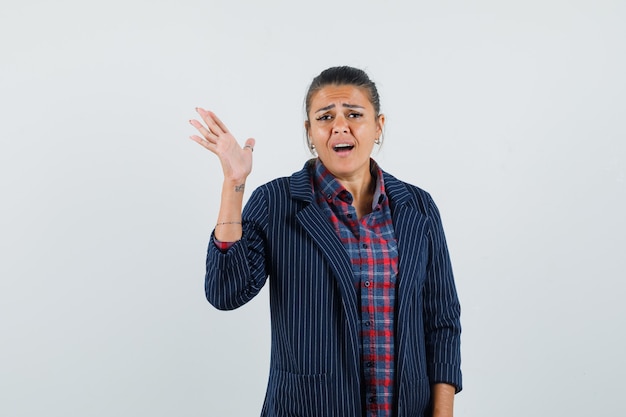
(315, 362)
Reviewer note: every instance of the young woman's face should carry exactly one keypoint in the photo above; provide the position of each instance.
(343, 126)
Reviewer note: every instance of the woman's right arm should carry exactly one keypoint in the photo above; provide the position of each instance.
(233, 277)
(236, 165)
(237, 275)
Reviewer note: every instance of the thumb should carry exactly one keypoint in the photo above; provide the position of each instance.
(250, 142)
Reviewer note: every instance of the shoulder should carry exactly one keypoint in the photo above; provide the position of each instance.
(296, 186)
(401, 193)
(276, 186)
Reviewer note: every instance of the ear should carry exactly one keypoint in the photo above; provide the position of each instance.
(307, 126)
(381, 124)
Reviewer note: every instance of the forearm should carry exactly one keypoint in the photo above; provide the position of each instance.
(228, 227)
(443, 400)
(234, 277)
(229, 283)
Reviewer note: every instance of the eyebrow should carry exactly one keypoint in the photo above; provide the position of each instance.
(349, 106)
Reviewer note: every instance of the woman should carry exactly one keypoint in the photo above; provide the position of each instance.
(365, 316)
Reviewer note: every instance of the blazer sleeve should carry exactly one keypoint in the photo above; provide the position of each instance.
(442, 309)
(235, 276)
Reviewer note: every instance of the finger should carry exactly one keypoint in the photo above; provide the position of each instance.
(249, 145)
(212, 121)
(250, 142)
(210, 136)
(203, 142)
(219, 123)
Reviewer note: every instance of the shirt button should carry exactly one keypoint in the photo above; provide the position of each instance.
(367, 283)
(349, 215)
(368, 323)
(372, 399)
(365, 246)
(370, 364)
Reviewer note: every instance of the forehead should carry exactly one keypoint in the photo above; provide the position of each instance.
(344, 94)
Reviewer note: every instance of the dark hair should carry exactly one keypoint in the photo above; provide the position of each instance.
(343, 76)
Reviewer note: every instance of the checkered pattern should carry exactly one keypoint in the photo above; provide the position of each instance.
(223, 246)
(372, 248)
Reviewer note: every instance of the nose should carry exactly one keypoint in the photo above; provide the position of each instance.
(340, 125)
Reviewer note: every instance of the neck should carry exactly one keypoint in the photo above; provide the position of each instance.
(362, 190)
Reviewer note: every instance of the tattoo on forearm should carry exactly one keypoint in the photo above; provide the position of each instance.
(239, 188)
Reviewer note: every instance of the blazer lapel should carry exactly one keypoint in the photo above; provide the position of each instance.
(410, 229)
(410, 226)
(321, 232)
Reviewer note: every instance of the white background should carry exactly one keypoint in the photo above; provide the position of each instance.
(512, 114)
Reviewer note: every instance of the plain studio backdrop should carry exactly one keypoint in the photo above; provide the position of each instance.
(511, 114)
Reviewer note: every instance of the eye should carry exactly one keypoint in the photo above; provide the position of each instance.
(355, 115)
(324, 117)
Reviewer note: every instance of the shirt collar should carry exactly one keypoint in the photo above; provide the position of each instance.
(324, 182)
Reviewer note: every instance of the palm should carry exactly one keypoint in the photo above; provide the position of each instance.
(236, 161)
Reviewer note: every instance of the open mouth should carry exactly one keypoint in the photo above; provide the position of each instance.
(343, 147)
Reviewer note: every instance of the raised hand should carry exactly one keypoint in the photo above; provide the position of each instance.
(236, 161)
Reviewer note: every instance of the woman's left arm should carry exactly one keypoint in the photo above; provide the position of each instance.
(442, 311)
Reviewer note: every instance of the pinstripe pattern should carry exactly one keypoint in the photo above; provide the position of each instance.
(315, 363)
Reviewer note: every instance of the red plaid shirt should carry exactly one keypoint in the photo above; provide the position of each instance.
(372, 247)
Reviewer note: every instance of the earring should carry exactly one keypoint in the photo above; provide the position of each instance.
(377, 141)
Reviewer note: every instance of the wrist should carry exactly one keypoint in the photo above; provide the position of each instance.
(237, 185)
